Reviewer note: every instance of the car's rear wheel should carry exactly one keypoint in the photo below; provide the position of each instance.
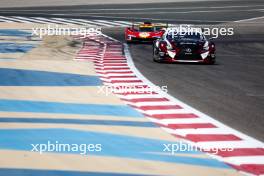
(129, 41)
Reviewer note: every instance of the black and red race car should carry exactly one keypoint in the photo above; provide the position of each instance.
(177, 45)
(144, 32)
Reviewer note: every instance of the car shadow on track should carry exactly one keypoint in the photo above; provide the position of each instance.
(188, 63)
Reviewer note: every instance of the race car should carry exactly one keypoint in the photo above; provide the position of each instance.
(186, 44)
(144, 32)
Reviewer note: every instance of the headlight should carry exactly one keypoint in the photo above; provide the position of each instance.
(206, 45)
(169, 47)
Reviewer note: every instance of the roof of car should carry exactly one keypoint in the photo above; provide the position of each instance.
(148, 24)
(184, 29)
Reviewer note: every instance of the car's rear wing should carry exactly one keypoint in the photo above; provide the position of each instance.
(158, 26)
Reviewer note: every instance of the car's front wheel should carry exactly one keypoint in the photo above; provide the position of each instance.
(155, 54)
(210, 61)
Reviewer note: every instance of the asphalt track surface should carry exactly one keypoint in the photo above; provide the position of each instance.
(232, 91)
(34, 3)
(175, 12)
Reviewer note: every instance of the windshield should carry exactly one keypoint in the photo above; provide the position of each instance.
(158, 28)
(191, 36)
(146, 29)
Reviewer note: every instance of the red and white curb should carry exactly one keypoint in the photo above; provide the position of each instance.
(115, 67)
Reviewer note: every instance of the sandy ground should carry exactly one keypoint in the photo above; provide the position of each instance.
(90, 163)
(55, 48)
(51, 54)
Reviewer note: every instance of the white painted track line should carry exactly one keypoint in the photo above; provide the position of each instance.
(111, 23)
(50, 20)
(32, 20)
(11, 18)
(249, 19)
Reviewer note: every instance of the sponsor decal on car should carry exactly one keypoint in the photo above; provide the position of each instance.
(144, 34)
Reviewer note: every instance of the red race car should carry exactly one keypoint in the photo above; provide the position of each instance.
(144, 32)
